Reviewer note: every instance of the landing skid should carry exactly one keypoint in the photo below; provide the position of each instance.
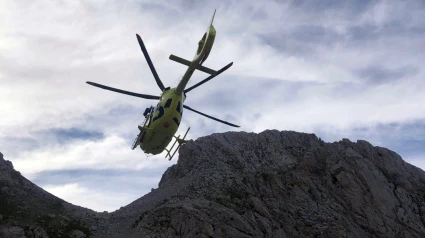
(180, 141)
(137, 140)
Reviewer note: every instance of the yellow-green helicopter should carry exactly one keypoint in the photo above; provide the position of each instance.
(162, 122)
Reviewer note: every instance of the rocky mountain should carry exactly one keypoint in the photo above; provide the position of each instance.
(26, 210)
(238, 184)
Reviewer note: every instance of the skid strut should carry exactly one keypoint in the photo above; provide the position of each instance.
(180, 141)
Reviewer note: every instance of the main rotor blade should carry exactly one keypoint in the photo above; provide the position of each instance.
(209, 78)
(145, 96)
(148, 59)
(225, 122)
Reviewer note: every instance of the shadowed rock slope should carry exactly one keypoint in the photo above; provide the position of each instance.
(276, 184)
(26, 210)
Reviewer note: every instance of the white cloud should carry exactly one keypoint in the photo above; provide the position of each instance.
(113, 152)
(417, 160)
(96, 200)
(319, 106)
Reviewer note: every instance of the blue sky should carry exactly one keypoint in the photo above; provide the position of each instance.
(339, 69)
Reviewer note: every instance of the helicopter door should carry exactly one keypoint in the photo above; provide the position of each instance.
(148, 115)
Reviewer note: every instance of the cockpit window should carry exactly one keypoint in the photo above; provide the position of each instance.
(168, 103)
(178, 108)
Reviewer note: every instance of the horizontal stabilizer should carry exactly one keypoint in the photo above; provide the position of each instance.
(187, 63)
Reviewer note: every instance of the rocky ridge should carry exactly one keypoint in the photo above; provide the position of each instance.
(26, 210)
(271, 184)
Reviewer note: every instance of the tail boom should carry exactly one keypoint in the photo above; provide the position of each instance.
(204, 48)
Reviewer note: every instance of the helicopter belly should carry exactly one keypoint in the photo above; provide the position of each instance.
(155, 142)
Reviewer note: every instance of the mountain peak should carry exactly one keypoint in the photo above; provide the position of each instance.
(276, 184)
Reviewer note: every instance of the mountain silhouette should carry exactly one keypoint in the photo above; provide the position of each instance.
(239, 184)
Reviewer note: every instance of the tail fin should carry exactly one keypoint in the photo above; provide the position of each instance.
(212, 18)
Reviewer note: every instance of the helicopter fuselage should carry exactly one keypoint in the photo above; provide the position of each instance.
(163, 122)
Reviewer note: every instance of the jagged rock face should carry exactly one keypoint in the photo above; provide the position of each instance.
(272, 184)
(285, 184)
(26, 210)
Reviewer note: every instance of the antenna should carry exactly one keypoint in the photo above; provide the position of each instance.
(212, 19)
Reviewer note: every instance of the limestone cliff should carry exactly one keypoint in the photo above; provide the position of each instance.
(276, 184)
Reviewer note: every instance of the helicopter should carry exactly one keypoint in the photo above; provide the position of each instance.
(162, 122)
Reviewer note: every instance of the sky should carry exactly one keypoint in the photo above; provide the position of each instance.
(339, 69)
